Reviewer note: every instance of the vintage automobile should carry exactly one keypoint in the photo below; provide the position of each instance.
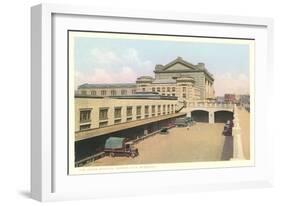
(227, 130)
(190, 121)
(181, 122)
(119, 146)
(164, 130)
(184, 122)
(230, 123)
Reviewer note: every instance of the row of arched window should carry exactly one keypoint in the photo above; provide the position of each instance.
(107, 92)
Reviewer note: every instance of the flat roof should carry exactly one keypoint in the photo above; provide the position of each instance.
(87, 134)
(109, 85)
(149, 96)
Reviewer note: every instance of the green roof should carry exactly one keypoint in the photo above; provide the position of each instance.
(114, 142)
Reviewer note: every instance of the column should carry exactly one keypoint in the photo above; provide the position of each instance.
(211, 117)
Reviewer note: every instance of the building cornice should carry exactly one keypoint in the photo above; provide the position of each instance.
(181, 71)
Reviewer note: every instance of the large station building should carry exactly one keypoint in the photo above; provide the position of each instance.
(178, 78)
(135, 110)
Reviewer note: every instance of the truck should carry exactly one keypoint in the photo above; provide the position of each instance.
(119, 146)
(184, 122)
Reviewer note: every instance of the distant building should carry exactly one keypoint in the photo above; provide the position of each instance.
(178, 78)
(243, 99)
(229, 98)
(220, 99)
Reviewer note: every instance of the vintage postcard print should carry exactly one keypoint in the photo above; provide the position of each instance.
(143, 102)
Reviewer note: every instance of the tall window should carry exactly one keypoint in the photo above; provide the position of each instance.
(129, 111)
(138, 112)
(103, 114)
(158, 89)
(146, 111)
(164, 109)
(163, 89)
(184, 95)
(168, 89)
(159, 110)
(184, 89)
(133, 91)
(172, 108)
(103, 92)
(117, 112)
(93, 92)
(124, 92)
(85, 115)
(113, 92)
(153, 89)
(153, 110)
(168, 109)
(173, 89)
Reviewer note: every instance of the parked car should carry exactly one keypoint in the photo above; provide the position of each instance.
(181, 122)
(190, 121)
(164, 130)
(227, 130)
(230, 123)
(118, 146)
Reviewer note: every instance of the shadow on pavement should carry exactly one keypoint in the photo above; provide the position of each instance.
(227, 152)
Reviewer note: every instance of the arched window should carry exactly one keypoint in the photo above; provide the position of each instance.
(103, 92)
(113, 93)
(124, 92)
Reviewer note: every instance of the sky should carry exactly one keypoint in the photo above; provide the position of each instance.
(112, 60)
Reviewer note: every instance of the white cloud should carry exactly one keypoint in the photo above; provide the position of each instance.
(113, 67)
(231, 83)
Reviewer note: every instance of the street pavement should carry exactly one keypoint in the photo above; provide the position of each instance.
(202, 142)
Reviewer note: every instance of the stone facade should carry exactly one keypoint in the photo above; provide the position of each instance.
(93, 112)
(107, 89)
(187, 81)
(178, 78)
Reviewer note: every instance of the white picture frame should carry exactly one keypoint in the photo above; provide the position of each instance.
(49, 174)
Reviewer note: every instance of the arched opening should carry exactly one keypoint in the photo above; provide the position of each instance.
(223, 116)
(200, 116)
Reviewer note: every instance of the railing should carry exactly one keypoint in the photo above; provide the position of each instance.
(210, 105)
(238, 153)
(179, 108)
